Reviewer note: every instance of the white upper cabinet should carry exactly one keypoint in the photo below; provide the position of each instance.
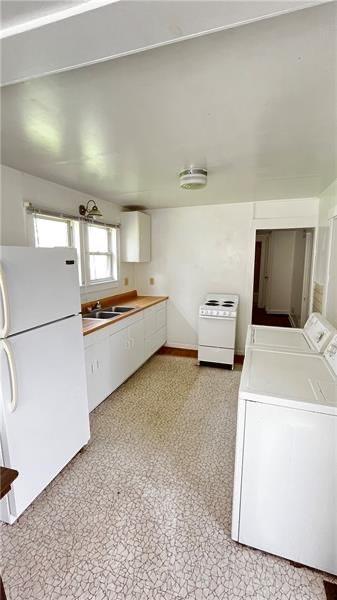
(135, 237)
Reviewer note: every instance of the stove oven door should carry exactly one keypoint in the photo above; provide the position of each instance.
(218, 332)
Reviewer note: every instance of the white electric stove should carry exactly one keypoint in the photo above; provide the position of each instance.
(314, 337)
(285, 484)
(217, 328)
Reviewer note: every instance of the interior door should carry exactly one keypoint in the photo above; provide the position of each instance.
(50, 422)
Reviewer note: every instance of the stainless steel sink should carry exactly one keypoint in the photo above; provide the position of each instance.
(121, 309)
(101, 314)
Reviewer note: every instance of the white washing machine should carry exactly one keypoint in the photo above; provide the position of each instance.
(314, 337)
(285, 484)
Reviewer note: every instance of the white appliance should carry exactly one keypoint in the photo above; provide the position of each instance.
(217, 328)
(43, 397)
(285, 484)
(314, 337)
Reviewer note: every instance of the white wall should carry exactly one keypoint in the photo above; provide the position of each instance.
(18, 187)
(201, 249)
(281, 257)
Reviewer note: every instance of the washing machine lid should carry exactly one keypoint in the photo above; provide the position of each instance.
(278, 338)
(314, 337)
(303, 381)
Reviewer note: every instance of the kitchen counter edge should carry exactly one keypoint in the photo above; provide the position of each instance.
(143, 302)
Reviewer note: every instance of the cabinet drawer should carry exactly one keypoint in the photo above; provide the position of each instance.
(216, 355)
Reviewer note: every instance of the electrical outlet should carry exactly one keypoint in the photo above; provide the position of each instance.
(126, 281)
(151, 280)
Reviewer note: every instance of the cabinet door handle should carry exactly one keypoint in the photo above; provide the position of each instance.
(92, 367)
(97, 364)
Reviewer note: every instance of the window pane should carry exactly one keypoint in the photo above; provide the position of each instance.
(50, 232)
(100, 267)
(98, 239)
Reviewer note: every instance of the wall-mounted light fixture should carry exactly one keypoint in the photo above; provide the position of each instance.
(90, 212)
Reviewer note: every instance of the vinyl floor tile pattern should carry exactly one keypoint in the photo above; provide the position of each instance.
(143, 512)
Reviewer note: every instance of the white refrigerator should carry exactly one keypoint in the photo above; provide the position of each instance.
(44, 418)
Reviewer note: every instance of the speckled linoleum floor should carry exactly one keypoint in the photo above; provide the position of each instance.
(143, 512)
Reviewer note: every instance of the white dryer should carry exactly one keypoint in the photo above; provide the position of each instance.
(285, 484)
(314, 337)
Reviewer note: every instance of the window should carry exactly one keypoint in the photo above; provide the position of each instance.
(101, 251)
(96, 245)
(50, 232)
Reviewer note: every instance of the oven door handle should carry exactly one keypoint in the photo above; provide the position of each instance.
(218, 318)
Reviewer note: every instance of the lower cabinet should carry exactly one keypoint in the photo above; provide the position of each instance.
(155, 328)
(97, 362)
(113, 353)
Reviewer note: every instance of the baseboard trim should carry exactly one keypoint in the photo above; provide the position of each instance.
(171, 351)
(190, 353)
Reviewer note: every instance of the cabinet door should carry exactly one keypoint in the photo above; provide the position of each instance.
(159, 339)
(97, 361)
(119, 357)
(136, 345)
(161, 318)
(150, 322)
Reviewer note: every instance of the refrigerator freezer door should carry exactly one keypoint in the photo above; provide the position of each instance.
(50, 422)
(38, 286)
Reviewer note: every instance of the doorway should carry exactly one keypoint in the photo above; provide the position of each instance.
(282, 277)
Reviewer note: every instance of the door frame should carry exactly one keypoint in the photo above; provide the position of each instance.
(331, 221)
(310, 222)
(307, 273)
(264, 238)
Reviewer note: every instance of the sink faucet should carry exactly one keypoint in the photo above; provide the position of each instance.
(98, 305)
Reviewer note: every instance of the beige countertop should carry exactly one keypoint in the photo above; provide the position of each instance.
(131, 299)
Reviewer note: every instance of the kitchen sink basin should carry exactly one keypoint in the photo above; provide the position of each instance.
(122, 309)
(101, 314)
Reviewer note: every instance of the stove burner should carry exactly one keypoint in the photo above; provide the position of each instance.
(229, 303)
(212, 303)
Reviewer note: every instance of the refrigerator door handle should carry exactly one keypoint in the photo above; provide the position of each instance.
(3, 290)
(14, 387)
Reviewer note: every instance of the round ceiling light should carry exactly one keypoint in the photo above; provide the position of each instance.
(193, 178)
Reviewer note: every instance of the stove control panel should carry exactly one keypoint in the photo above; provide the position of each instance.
(206, 312)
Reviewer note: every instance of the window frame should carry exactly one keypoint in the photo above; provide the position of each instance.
(112, 253)
(83, 247)
(45, 217)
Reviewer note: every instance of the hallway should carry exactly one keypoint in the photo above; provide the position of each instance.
(261, 317)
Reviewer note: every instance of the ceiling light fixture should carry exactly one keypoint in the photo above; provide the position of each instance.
(90, 213)
(193, 178)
